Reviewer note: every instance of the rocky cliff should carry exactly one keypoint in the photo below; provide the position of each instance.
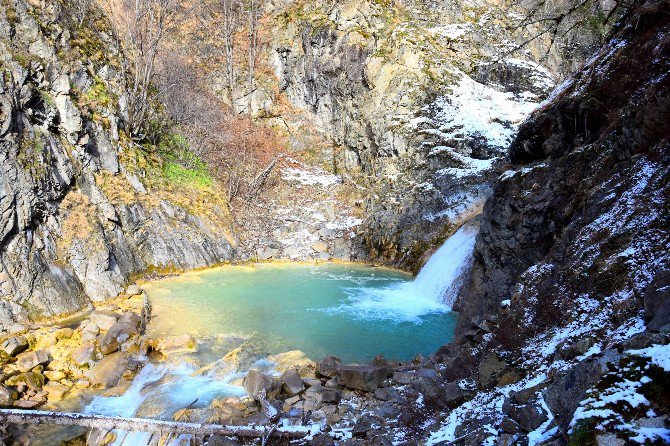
(418, 102)
(84, 208)
(570, 280)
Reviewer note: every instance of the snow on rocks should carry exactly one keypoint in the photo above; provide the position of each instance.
(310, 176)
(472, 110)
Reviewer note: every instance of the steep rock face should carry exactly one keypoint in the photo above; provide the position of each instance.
(415, 118)
(591, 192)
(79, 204)
(569, 284)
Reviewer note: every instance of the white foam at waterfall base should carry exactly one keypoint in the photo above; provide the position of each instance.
(433, 291)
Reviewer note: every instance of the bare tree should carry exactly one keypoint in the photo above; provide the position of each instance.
(254, 11)
(231, 20)
(142, 26)
(555, 19)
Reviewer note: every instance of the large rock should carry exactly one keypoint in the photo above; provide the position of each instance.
(362, 377)
(7, 396)
(120, 332)
(490, 370)
(259, 385)
(108, 372)
(104, 319)
(29, 360)
(328, 366)
(292, 383)
(14, 345)
(83, 355)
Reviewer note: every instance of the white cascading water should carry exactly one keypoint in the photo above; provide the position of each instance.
(433, 291)
(443, 275)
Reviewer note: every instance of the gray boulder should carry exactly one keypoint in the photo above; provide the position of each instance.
(28, 360)
(108, 372)
(362, 377)
(259, 385)
(14, 345)
(120, 332)
(291, 383)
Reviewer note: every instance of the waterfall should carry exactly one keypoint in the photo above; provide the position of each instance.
(442, 276)
(433, 291)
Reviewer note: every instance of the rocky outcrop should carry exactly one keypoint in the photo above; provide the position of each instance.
(82, 208)
(395, 91)
(571, 263)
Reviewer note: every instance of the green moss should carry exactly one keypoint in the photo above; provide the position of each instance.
(33, 311)
(176, 173)
(584, 433)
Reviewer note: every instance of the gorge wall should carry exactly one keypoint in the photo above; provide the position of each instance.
(418, 102)
(570, 279)
(83, 208)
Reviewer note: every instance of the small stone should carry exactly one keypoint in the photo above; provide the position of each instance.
(14, 345)
(82, 384)
(64, 333)
(510, 426)
(29, 360)
(320, 246)
(403, 377)
(54, 375)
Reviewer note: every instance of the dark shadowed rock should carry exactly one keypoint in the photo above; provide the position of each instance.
(7, 396)
(490, 370)
(323, 395)
(291, 383)
(322, 439)
(657, 303)
(328, 366)
(362, 377)
(257, 384)
(565, 393)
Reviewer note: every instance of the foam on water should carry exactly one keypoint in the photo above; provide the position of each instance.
(176, 387)
(433, 291)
